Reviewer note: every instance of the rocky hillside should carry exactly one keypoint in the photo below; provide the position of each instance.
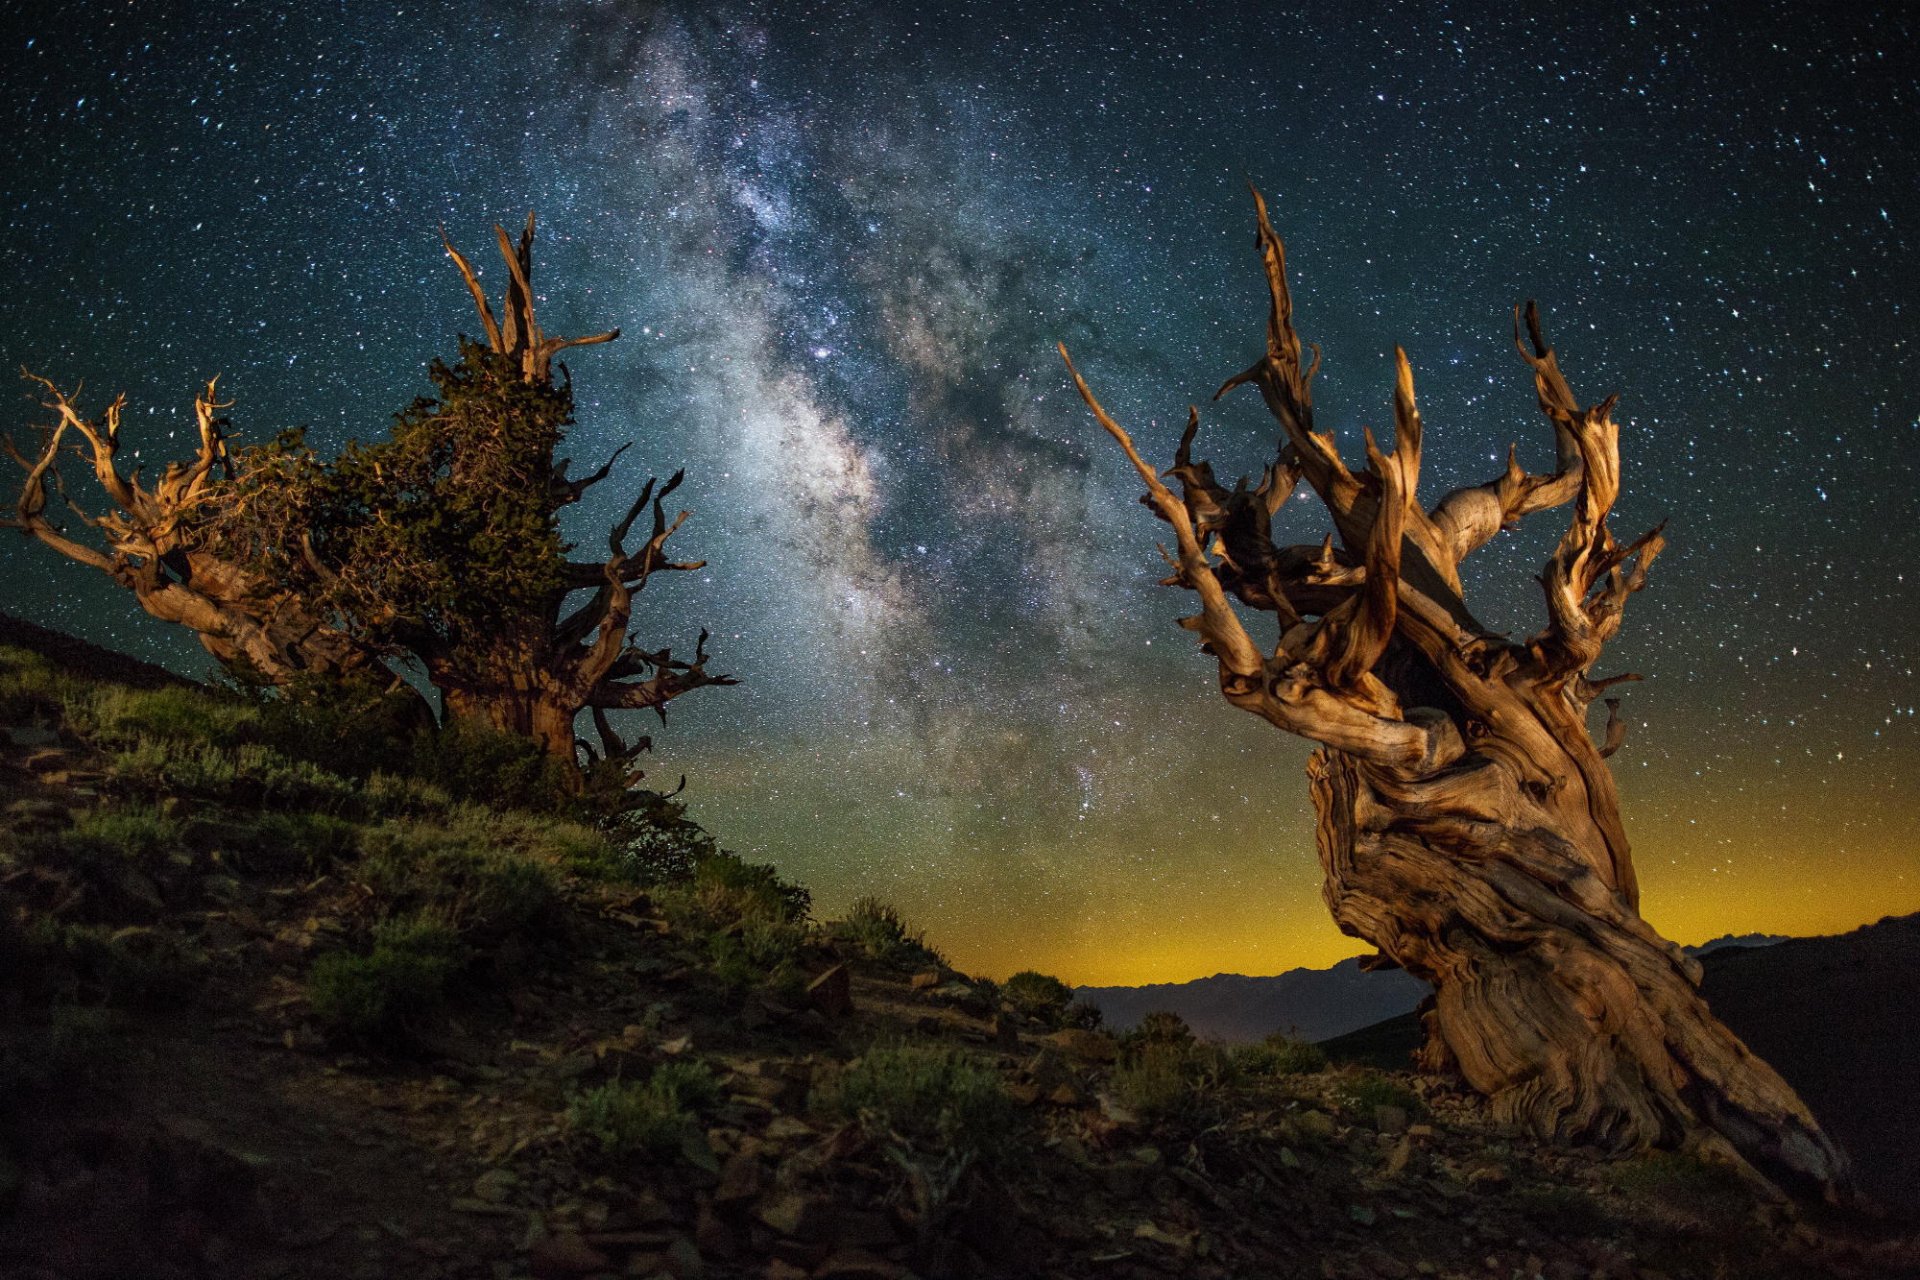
(280, 1003)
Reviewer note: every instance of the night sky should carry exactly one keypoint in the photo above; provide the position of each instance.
(841, 242)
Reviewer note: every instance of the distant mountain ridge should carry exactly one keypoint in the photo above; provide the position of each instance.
(1313, 1004)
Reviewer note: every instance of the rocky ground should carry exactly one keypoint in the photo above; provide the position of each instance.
(182, 1099)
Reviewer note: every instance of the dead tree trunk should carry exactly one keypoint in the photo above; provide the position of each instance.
(1469, 826)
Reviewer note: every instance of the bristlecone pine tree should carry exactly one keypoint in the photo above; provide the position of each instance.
(163, 544)
(439, 546)
(1469, 826)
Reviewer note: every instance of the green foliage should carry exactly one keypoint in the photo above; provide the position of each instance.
(932, 1099)
(654, 1118)
(176, 714)
(877, 932)
(30, 686)
(502, 770)
(449, 524)
(657, 841)
(458, 872)
(1037, 995)
(726, 890)
(1280, 1055)
(374, 997)
(1171, 1079)
(401, 795)
(759, 952)
(250, 774)
(137, 833)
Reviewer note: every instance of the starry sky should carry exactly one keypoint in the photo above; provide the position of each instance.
(841, 240)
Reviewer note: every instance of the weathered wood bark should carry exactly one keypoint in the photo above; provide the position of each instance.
(158, 542)
(546, 667)
(1469, 826)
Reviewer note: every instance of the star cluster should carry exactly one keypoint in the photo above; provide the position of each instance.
(841, 241)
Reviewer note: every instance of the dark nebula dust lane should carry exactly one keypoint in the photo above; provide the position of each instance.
(841, 242)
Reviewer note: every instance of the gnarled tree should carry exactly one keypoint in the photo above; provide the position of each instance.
(1469, 826)
(442, 543)
(439, 547)
(163, 543)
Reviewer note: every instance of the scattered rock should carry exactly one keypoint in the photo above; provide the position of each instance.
(832, 992)
(796, 1216)
(31, 735)
(926, 981)
(565, 1254)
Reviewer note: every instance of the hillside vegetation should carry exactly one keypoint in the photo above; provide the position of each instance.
(288, 998)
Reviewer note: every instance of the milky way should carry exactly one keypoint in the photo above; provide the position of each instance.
(841, 242)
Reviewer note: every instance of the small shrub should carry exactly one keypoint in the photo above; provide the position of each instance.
(175, 714)
(30, 685)
(1280, 1055)
(375, 996)
(1363, 1090)
(658, 843)
(654, 1118)
(1036, 995)
(139, 834)
(935, 1100)
(1161, 1027)
(1172, 1080)
(759, 953)
(726, 890)
(389, 795)
(1564, 1212)
(1083, 1015)
(457, 873)
(876, 930)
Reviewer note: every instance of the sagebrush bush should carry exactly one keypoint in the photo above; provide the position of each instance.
(759, 953)
(30, 686)
(1172, 1080)
(134, 833)
(625, 1119)
(176, 714)
(876, 930)
(1681, 1182)
(1036, 995)
(459, 874)
(935, 1099)
(71, 1046)
(376, 996)
(1162, 1026)
(1280, 1055)
(726, 890)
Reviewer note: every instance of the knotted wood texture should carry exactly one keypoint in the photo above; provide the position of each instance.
(1469, 826)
